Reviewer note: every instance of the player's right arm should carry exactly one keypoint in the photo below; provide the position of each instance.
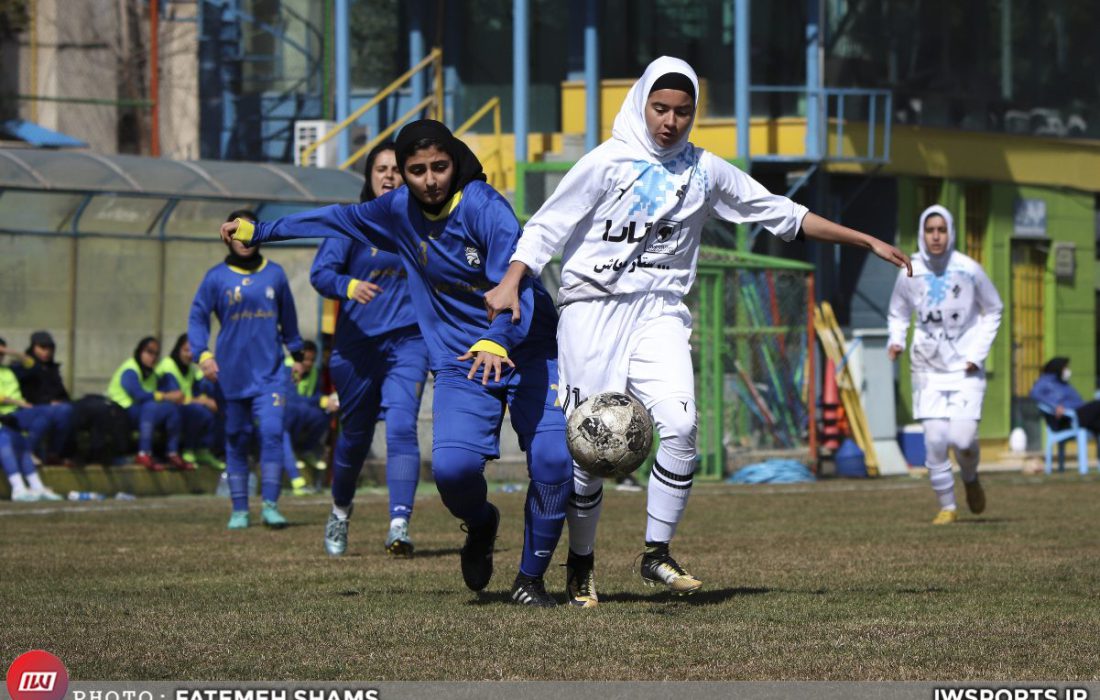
(198, 325)
(898, 315)
(368, 223)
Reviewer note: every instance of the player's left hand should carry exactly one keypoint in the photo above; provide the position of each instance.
(227, 231)
(892, 255)
(971, 368)
(501, 298)
(296, 371)
(489, 363)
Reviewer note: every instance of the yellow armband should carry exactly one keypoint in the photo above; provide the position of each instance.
(489, 347)
(245, 230)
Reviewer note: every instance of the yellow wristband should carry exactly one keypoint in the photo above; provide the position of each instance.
(207, 355)
(324, 402)
(157, 395)
(245, 230)
(489, 347)
(186, 400)
(351, 287)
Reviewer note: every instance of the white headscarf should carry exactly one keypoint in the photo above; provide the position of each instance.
(936, 262)
(630, 126)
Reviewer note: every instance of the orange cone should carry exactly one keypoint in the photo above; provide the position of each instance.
(830, 409)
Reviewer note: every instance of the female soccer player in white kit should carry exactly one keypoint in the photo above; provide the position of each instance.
(958, 313)
(627, 219)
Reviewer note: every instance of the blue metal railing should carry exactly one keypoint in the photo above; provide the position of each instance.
(830, 114)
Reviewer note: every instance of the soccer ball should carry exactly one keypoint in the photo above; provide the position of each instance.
(609, 434)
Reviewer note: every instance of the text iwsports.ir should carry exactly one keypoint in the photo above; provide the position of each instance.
(1010, 694)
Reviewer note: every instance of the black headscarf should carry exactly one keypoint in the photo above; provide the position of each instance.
(142, 344)
(367, 193)
(252, 262)
(428, 132)
(1055, 366)
(175, 354)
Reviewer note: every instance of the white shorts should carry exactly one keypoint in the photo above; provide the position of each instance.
(637, 343)
(963, 402)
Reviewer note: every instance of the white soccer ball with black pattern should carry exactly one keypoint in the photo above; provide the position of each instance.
(609, 434)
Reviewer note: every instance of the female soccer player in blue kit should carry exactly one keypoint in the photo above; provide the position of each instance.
(454, 235)
(251, 298)
(379, 362)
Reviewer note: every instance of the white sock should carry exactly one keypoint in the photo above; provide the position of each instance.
(943, 483)
(35, 482)
(342, 512)
(669, 487)
(395, 521)
(17, 485)
(583, 511)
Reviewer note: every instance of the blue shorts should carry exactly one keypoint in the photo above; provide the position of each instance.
(377, 373)
(468, 415)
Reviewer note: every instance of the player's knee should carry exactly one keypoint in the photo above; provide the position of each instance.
(550, 460)
(401, 432)
(676, 419)
(452, 466)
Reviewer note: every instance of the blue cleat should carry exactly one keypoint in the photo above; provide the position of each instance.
(271, 516)
(239, 520)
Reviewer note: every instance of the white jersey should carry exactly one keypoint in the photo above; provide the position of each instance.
(624, 225)
(958, 313)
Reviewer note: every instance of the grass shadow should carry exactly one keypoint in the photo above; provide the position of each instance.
(703, 597)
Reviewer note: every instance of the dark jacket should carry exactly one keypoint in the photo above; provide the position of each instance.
(41, 382)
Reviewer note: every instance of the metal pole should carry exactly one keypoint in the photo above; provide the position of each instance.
(814, 95)
(154, 75)
(591, 76)
(343, 78)
(811, 378)
(519, 78)
(416, 50)
(1006, 49)
(741, 78)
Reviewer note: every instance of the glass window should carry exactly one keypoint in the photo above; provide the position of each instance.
(109, 213)
(200, 218)
(22, 210)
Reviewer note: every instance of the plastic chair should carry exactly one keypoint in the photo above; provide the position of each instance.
(1061, 437)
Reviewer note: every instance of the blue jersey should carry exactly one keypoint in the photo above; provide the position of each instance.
(338, 262)
(451, 263)
(257, 316)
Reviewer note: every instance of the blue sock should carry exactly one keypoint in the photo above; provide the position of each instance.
(351, 450)
(271, 480)
(402, 475)
(238, 487)
(543, 519)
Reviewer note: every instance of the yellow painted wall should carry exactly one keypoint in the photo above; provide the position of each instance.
(916, 151)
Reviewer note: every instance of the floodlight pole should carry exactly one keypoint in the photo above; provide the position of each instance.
(520, 78)
(591, 76)
(343, 79)
(741, 78)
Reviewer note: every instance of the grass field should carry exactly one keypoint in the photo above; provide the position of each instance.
(839, 580)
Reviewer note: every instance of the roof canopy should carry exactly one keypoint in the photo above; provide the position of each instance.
(80, 192)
